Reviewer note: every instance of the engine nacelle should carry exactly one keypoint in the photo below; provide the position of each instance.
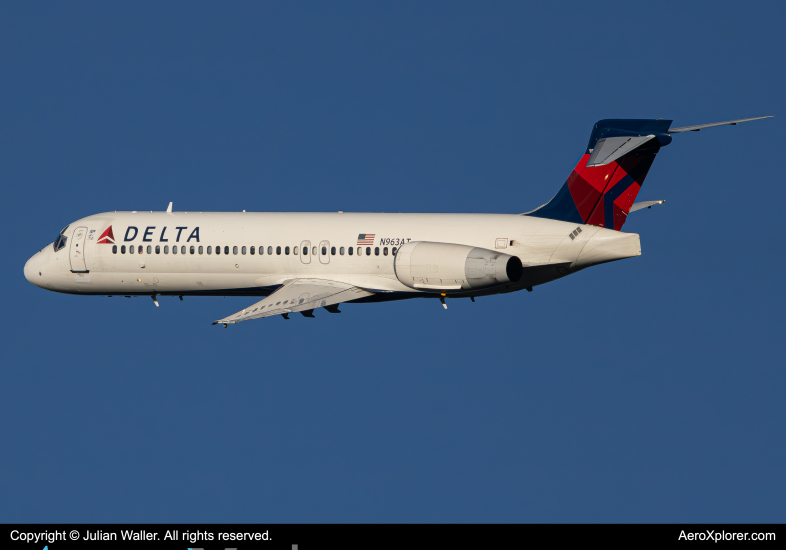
(446, 267)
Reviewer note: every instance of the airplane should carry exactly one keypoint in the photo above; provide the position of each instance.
(299, 262)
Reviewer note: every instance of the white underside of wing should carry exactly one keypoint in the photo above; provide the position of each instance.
(299, 295)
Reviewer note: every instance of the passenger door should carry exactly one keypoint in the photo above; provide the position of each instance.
(305, 252)
(77, 251)
(324, 252)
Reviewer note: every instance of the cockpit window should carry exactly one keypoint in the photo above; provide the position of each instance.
(60, 241)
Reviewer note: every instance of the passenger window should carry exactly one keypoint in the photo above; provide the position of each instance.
(158, 249)
(385, 251)
(278, 251)
(295, 250)
(341, 251)
(332, 250)
(261, 250)
(149, 249)
(114, 249)
(360, 251)
(141, 249)
(286, 250)
(218, 250)
(269, 250)
(376, 251)
(166, 249)
(200, 250)
(351, 250)
(226, 250)
(234, 250)
(192, 249)
(394, 250)
(243, 251)
(174, 250)
(131, 249)
(209, 250)
(368, 251)
(183, 249)
(305, 251)
(251, 250)
(324, 251)
(123, 249)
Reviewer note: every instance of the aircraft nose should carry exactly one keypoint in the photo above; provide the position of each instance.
(27, 271)
(32, 269)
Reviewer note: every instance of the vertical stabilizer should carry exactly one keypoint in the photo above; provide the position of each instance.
(604, 184)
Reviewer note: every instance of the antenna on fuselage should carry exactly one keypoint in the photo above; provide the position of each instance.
(169, 208)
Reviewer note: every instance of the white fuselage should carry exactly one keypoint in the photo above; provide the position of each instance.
(90, 264)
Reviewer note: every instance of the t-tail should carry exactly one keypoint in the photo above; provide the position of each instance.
(602, 188)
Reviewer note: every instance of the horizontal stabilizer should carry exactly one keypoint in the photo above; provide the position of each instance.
(644, 204)
(713, 124)
(609, 149)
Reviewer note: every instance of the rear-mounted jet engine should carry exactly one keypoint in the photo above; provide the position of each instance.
(446, 267)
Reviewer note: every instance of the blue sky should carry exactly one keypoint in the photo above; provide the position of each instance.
(647, 390)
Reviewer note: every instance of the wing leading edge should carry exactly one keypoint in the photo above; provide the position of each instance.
(299, 295)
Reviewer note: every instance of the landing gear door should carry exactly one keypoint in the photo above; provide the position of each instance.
(305, 252)
(77, 251)
(324, 252)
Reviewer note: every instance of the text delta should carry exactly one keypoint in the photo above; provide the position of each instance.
(147, 234)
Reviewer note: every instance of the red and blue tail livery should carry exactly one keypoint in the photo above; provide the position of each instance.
(603, 186)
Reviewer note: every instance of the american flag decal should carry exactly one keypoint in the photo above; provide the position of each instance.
(366, 238)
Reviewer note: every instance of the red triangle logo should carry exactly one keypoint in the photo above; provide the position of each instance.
(107, 237)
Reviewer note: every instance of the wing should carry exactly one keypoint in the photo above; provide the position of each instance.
(301, 295)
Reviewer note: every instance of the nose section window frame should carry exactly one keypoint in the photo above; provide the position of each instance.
(61, 240)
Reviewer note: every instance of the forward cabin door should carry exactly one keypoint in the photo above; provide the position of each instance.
(305, 252)
(324, 252)
(77, 250)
